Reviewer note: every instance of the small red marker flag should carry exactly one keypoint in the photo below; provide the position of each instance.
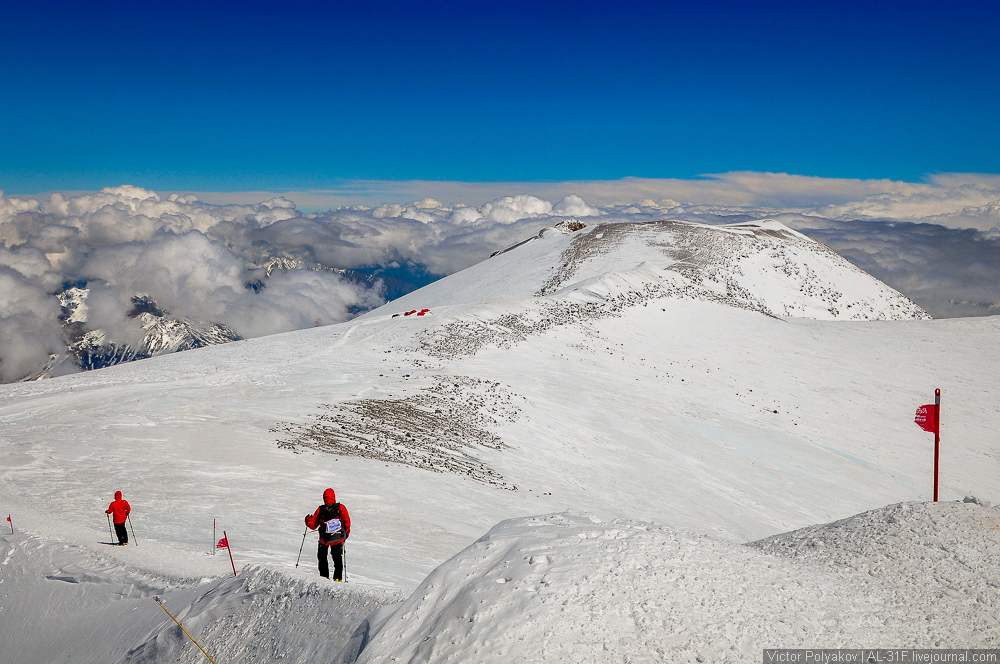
(223, 543)
(926, 418)
(11, 524)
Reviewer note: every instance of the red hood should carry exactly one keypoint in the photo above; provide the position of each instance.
(329, 497)
(118, 495)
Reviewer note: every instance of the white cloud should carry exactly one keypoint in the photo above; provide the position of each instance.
(464, 215)
(957, 200)
(574, 206)
(297, 299)
(186, 273)
(508, 209)
(29, 325)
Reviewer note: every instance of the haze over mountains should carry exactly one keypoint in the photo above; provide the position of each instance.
(94, 279)
(694, 387)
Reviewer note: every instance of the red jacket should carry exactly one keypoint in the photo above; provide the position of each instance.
(329, 498)
(120, 508)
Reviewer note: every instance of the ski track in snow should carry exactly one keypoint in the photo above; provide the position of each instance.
(654, 372)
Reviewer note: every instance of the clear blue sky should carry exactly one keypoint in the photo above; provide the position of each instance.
(262, 96)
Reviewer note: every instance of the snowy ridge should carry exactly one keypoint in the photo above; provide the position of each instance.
(565, 588)
(763, 266)
(595, 272)
(934, 566)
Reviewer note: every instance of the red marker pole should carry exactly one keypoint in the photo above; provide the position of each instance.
(230, 552)
(11, 524)
(937, 438)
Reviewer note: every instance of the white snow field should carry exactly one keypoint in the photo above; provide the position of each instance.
(662, 393)
(561, 588)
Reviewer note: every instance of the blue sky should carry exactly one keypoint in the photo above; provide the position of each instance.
(248, 96)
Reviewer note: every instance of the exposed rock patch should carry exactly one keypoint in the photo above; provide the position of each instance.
(438, 429)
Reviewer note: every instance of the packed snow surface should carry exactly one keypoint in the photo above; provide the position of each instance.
(562, 588)
(67, 603)
(693, 388)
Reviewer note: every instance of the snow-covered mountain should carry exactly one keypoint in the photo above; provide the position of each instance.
(159, 332)
(91, 349)
(760, 266)
(704, 386)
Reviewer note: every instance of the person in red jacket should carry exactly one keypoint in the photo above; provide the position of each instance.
(120, 510)
(334, 524)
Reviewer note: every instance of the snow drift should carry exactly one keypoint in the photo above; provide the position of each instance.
(564, 588)
(67, 603)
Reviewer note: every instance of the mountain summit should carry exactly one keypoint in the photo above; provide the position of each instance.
(760, 266)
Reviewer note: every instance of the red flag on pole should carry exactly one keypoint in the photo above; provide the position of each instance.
(926, 418)
(11, 524)
(223, 543)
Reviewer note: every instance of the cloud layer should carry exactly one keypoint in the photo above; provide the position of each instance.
(937, 241)
(955, 200)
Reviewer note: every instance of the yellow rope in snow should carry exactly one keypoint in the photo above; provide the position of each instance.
(184, 630)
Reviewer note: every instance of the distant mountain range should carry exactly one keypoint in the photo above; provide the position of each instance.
(90, 348)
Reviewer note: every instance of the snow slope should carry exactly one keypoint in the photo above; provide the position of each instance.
(66, 603)
(764, 266)
(562, 588)
(627, 376)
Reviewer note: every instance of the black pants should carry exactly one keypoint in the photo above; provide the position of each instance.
(337, 551)
(121, 532)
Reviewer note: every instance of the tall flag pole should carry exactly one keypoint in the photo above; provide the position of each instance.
(937, 438)
(928, 418)
(224, 543)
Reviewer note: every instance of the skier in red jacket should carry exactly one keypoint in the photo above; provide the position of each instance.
(120, 510)
(334, 524)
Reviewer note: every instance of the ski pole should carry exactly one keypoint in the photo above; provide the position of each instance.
(133, 529)
(304, 533)
(111, 531)
(344, 553)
